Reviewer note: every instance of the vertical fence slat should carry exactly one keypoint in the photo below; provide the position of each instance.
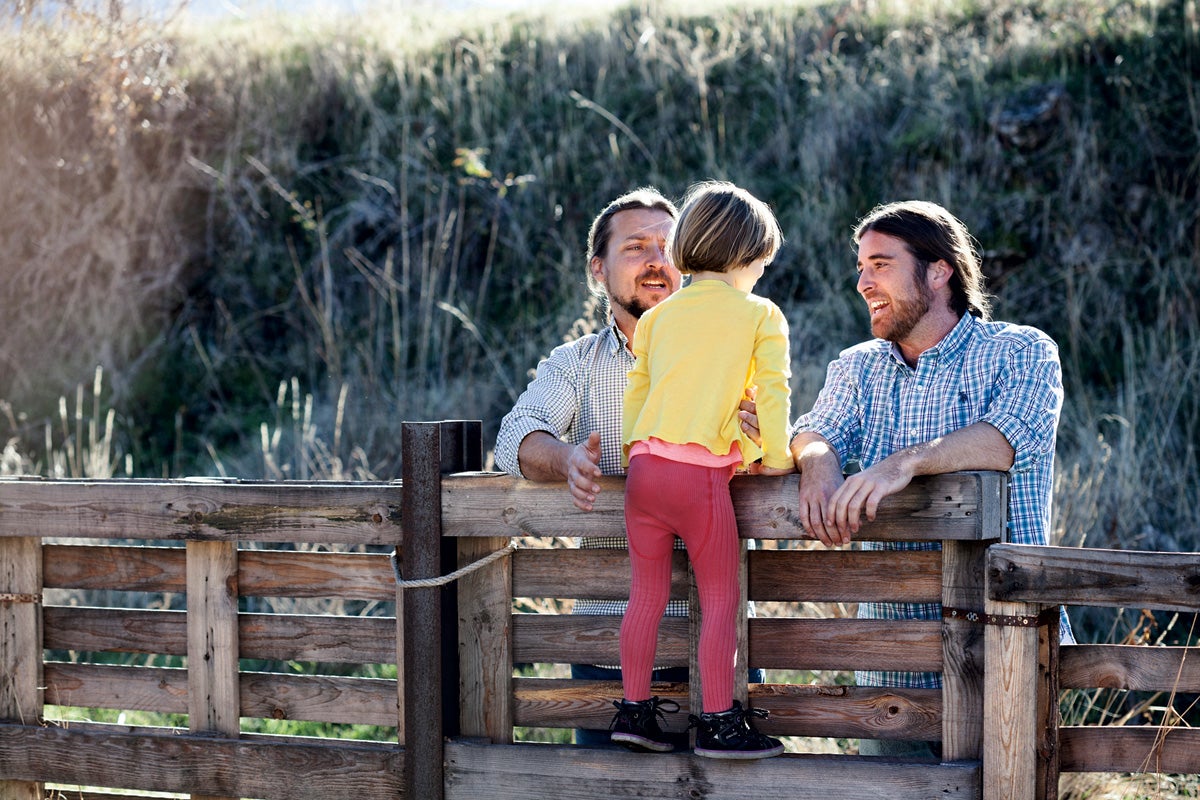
(421, 522)
(1048, 717)
(212, 634)
(485, 642)
(962, 651)
(1010, 715)
(21, 645)
(484, 607)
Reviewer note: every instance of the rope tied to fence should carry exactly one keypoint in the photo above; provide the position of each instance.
(426, 583)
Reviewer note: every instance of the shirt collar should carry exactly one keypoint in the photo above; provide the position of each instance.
(950, 346)
(614, 340)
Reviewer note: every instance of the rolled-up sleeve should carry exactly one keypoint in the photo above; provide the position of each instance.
(550, 403)
(1028, 401)
(835, 415)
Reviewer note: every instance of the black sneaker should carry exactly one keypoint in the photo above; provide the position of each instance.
(635, 724)
(731, 734)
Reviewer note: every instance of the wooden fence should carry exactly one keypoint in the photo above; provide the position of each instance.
(230, 547)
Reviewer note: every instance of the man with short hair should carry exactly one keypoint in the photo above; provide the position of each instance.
(940, 389)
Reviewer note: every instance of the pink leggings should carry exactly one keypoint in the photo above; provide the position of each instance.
(663, 499)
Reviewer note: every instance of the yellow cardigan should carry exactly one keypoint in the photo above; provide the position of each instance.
(697, 352)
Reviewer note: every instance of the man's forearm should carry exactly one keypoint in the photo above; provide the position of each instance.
(977, 446)
(543, 457)
(812, 453)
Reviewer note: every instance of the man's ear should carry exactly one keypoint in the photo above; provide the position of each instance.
(597, 268)
(939, 273)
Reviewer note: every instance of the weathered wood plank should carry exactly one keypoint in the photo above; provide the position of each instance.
(588, 639)
(796, 710)
(314, 698)
(350, 640)
(115, 568)
(962, 651)
(509, 772)
(261, 573)
(320, 698)
(846, 644)
(1094, 577)
(212, 638)
(212, 634)
(485, 643)
(276, 637)
(21, 630)
(346, 513)
(120, 630)
(1140, 748)
(960, 505)
(161, 690)
(270, 768)
(881, 576)
(1136, 667)
(777, 643)
(423, 703)
(1010, 707)
(1048, 717)
(353, 576)
(269, 695)
(584, 574)
(785, 575)
(856, 712)
(21, 646)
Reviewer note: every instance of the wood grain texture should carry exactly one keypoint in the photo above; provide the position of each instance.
(315, 698)
(212, 638)
(270, 768)
(960, 505)
(261, 573)
(519, 772)
(1130, 749)
(962, 651)
(485, 643)
(21, 680)
(1136, 667)
(1094, 577)
(345, 513)
(836, 576)
(846, 644)
(795, 710)
(1010, 707)
(274, 637)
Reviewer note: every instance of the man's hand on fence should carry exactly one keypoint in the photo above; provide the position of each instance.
(583, 469)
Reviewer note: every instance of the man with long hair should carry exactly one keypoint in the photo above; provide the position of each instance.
(941, 388)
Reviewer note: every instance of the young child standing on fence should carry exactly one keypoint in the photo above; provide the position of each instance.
(698, 352)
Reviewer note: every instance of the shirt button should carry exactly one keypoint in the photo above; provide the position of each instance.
(912, 432)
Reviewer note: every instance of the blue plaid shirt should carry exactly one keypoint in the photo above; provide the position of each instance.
(579, 388)
(873, 404)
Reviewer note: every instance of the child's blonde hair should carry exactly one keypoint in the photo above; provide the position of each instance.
(722, 227)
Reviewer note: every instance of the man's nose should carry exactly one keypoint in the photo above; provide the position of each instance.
(865, 282)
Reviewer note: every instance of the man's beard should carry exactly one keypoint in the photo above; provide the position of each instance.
(907, 313)
(633, 306)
